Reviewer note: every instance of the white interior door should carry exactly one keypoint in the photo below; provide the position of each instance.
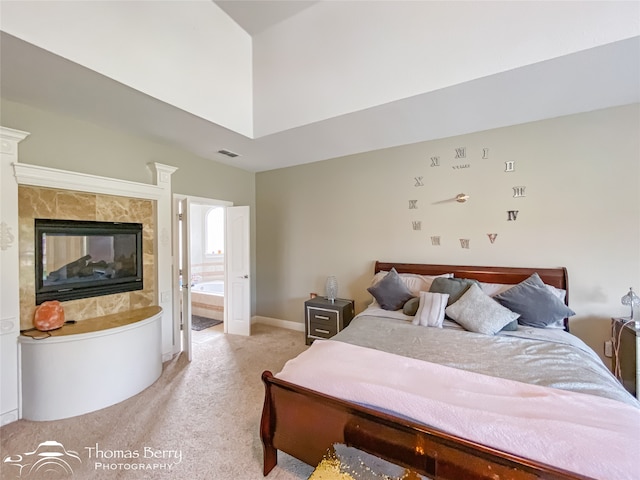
(237, 300)
(185, 236)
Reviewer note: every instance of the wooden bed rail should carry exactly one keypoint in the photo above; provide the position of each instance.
(305, 423)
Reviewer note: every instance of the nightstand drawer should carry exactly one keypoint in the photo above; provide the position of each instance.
(323, 317)
(322, 331)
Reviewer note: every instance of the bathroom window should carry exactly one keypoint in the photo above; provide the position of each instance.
(214, 221)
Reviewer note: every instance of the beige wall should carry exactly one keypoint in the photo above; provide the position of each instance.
(581, 211)
(63, 142)
(66, 143)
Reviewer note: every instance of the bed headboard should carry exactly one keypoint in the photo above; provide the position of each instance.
(556, 277)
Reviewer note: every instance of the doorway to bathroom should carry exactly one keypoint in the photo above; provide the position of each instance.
(202, 246)
(207, 267)
(211, 269)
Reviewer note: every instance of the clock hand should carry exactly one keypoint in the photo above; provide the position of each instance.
(460, 198)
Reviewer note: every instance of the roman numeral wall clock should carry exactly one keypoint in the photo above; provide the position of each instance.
(486, 187)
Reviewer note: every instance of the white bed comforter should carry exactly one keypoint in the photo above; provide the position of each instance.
(586, 434)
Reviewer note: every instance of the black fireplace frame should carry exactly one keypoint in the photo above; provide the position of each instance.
(90, 288)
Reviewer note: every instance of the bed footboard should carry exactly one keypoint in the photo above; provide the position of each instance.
(297, 423)
(305, 423)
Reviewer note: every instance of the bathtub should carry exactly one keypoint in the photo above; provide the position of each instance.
(207, 299)
(209, 288)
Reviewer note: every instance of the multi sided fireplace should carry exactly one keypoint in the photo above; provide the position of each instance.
(80, 259)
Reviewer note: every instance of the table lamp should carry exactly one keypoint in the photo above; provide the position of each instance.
(632, 300)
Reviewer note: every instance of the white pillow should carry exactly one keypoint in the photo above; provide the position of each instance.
(477, 312)
(493, 289)
(431, 309)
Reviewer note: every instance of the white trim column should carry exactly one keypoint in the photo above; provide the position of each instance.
(9, 278)
(164, 258)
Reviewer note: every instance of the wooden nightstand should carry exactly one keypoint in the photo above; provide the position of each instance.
(323, 319)
(626, 364)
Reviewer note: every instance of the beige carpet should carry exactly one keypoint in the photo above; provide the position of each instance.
(207, 412)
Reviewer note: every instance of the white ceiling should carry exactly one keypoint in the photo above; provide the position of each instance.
(254, 16)
(588, 80)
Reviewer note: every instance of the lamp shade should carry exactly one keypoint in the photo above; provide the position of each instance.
(331, 287)
(631, 299)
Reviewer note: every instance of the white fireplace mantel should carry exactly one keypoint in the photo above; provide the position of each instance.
(37, 176)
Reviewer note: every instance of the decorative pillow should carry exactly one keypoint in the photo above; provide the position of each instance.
(477, 312)
(414, 282)
(493, 289)
(455, 287)
(391, 292)
(411, 306)
(431, 310)
(511, 326)
(537, 306)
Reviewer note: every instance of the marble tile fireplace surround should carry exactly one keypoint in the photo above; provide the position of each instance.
(50, 203)
(30, 191)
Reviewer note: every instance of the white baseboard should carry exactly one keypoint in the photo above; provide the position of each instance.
(168, 356)
(276, 322)
(8, 417)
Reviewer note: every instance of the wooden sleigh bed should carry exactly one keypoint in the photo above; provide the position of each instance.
(304, 422)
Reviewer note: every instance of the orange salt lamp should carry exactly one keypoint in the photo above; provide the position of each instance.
(49, 316)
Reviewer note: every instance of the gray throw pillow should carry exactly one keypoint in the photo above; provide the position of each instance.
(510, 327)
(537, 306)
(391, 292)
(411, 307)
(478, 312)
(455, 287)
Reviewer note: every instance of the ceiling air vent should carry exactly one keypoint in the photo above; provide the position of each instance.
(228, 153)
